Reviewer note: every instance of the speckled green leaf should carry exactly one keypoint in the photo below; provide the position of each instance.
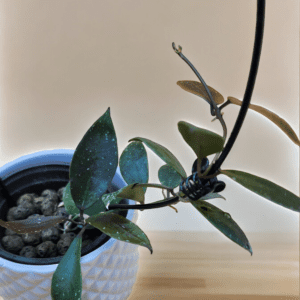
(164, 154)
(212, 196)
(133, 192)
(265, 188)
(96, 208)
(168, 176)
(223, 222)
(281, 123)
(111, 198)
(202, 141)
(33, 225)
(67, 279)
(71, 208)
(94, 163)
(134, 164)
(120, 228)
(69, 203)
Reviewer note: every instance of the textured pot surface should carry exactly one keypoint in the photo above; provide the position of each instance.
(108, 272)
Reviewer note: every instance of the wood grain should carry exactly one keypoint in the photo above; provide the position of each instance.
(189, 265)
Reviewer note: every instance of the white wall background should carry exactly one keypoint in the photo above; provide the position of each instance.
(63, 63)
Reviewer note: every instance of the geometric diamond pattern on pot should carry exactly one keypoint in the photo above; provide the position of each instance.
(38, 292)
(105, 274)
(96, 285)
(45, 283)
(108, 287)
(24, 283)
(116, 274)
(112, 262)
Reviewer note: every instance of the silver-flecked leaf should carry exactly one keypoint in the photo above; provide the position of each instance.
(134, 164)
(94, 163)
(223, 222)
(34, 224)
(67, 279)
(69, 203)
(168, 176)
(164, 154)
(265, 188)
(120, 228)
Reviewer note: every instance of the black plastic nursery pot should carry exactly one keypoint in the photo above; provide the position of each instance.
(35, 180)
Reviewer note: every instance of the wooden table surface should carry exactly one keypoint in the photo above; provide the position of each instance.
(189, 265)
(209, 266)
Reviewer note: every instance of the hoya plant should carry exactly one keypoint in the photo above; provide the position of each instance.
(96, 159)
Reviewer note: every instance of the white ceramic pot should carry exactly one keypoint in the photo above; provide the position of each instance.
(108, 272)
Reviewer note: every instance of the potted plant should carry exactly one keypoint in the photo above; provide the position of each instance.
(34, 272)
(95, 162)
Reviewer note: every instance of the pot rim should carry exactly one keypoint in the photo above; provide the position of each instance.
(62, 157)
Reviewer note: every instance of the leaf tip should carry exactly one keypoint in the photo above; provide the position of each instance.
(180, 125)
(148, 246)
(249, 248)
(133, 139)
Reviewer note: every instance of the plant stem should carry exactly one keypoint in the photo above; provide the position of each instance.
(259, 32)
(224, 104)
(213, 106)
(246, 101)
(214, 109)
(77, 223)
(81, 231)
(168, 202)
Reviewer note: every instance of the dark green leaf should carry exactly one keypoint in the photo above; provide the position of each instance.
(265, 188)
(96, 208)
(34, 224)
(281, 123)
(71, 208)
(198, 89)
(168, 176)
(212, 196)
(67, 279)
(134, 164)
(202, 141)
(120, 228)
(94, 163)
(69, 203)
(223, 222)
(164, 154)
(111, 198)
